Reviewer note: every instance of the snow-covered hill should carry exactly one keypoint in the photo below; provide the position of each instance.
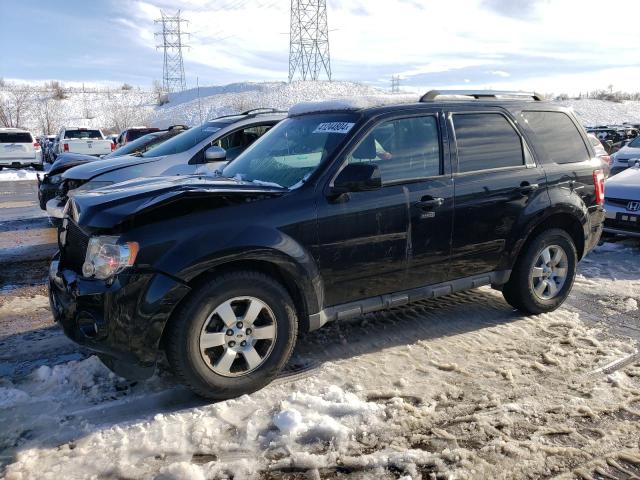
(600, 112)
(115, 109)
(187, 108)
(193, 106)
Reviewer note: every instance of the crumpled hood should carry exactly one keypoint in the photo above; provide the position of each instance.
(110, 206)
(69, 160)
(93, 169)
(625, 185)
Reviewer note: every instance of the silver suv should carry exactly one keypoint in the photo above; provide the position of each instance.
(200, 150)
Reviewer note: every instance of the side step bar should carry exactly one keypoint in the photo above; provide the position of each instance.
(358, 308)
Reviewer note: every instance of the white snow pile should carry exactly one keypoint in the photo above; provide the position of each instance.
(9, 175)
(193, 106)
(601, 112)
(475, 404)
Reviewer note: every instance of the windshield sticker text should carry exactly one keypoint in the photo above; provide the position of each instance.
(334, 127)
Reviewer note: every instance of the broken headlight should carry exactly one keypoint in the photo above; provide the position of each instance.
(106, 257)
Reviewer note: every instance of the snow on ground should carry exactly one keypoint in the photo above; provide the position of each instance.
(12, 175)
(461, 387)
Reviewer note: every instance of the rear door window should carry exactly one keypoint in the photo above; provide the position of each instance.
(558, 135)
(83, 134)
(15, 137)
(486, 141)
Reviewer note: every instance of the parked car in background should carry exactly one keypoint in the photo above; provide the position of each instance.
(622, 203)
(601, 153)
(113, 137)
(199, 150)
(627, 156)
(86, 141)
(18, 148)
(49, 185)
(133, 133)
(338, 211)
(47, 142)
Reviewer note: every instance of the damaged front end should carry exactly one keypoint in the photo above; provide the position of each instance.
(105, 288)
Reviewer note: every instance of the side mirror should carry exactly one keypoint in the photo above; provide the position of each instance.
(357, 177)
(215, 154)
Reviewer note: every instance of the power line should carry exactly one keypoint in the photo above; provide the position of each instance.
(171, 34)
(309, 40)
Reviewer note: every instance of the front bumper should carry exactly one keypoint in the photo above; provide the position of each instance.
(55, 208)
(122, 320)
(46, 192)
(618, 221)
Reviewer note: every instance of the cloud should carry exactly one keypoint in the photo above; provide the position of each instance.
(494, 42)
(512, 8)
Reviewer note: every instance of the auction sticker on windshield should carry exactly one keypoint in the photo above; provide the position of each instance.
(334, 127)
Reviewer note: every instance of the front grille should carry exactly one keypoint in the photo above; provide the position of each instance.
(75, 248)
(621, 225)
(617, 201)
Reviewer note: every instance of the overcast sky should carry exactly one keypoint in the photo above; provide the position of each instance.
(547, 45)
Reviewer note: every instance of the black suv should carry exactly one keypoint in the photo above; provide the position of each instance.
(338, 211)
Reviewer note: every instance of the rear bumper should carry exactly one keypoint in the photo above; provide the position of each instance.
(122, 321)
(20, 162)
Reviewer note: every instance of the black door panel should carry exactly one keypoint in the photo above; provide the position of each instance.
(495, 182)
(363, 244)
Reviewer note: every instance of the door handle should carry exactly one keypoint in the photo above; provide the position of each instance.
(429, 203)
(526, 187)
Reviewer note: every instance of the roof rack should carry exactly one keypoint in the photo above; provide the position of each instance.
(261, 110)
(251, 113)
(431, 95)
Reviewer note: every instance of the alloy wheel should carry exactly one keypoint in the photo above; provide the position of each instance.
(238, 336)
(549, 272)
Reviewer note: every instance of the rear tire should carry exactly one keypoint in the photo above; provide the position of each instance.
(544, 273)
(233, 335)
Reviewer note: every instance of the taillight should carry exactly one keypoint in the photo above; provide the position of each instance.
(113, 146)
(65, 147)
(606, 159)
(36, 145)
(598, 183)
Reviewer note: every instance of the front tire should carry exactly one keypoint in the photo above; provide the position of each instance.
(544, 273)
(233, 335)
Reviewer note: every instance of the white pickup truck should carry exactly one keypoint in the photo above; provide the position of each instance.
(86, 141)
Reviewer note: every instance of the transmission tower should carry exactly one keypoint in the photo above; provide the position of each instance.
(395, 84)
(309, 40)
(170, 36)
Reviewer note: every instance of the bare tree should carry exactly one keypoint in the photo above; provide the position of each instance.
(16, 102)
(160, 94)
(57, 89)
(49, 113)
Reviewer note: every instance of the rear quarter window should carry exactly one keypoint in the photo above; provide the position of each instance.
(15, 137)
(558, 135)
